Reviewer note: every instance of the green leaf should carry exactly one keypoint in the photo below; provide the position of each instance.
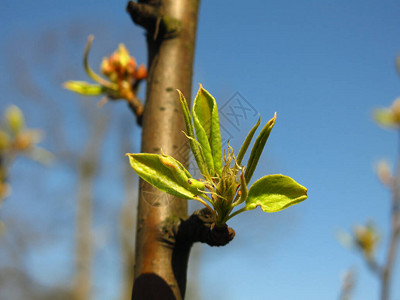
(258, 148)
(206, 124)
(84, 88)
(166, 174)
(247, 141)
(190, 133)
(274, 193)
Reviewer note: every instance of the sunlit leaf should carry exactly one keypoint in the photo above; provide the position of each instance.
(84, 88)
(274, 193)
(166, 174)
(206, 124)
(190, 133)
(258, 148)
(247, 141)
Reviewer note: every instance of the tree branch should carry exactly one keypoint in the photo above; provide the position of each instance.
(171, 30)
(180, 235)
(394, 236)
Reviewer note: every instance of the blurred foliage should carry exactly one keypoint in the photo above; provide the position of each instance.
(365, 238)
(16, 139)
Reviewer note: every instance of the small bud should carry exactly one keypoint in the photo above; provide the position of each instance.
(122, 56)
(15, 119)
(384, 173)
(106, 67)
(131, 66)
(141, 72)
(23, 142)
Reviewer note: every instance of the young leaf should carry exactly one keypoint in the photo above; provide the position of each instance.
(247, 141)
(274, 193)
(84, 88)
(164, 174)
(258, 148)
(190, 133)
(182, 175)
(206, 123)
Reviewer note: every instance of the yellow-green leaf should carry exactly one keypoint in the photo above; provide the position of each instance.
(190, 133)
(258, 148)
(247, 141)
(84, 88)
(206, 124)
(166, 174)
(274, 193)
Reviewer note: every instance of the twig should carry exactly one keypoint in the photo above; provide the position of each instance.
(394, 236)
(137, 107)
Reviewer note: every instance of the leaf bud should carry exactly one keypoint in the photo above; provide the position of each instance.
(141, 72)
(15, 119)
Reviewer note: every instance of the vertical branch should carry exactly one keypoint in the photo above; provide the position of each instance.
(171, 29)
(394, 235)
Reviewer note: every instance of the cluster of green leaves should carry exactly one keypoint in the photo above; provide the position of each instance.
(224, 185)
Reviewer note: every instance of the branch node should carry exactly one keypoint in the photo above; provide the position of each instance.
(199, 227)
(150, 17)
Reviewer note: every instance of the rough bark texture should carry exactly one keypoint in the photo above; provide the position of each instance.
(171, 29)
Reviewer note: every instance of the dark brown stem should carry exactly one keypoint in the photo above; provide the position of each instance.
(180, 235)
(394, 236)
(171, 51)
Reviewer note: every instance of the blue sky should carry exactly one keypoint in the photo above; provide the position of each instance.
(323, 66)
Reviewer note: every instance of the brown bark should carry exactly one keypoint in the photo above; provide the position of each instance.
(171, 30)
